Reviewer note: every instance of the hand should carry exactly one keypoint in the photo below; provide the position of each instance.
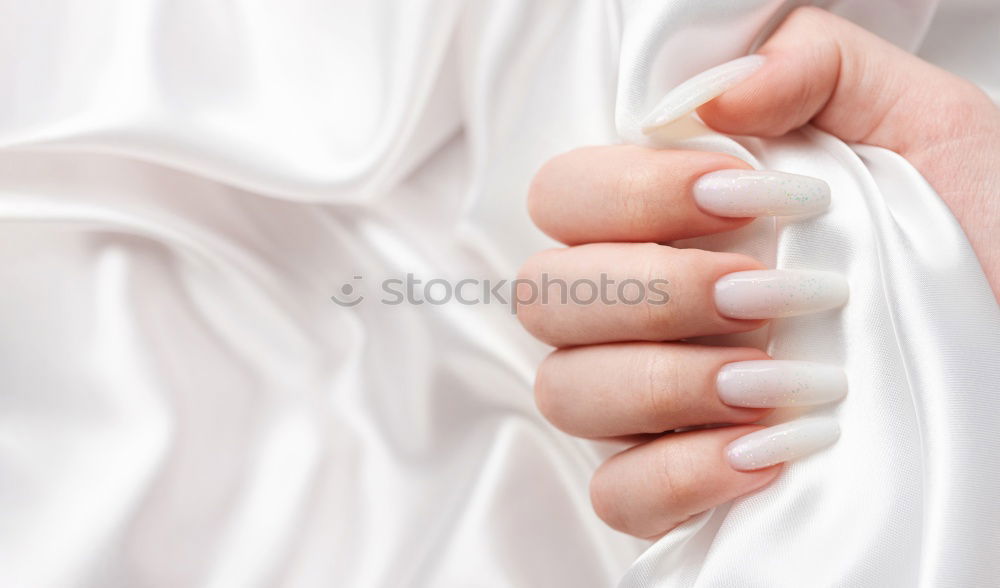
(614, 377)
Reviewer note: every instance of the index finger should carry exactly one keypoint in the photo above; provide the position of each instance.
(623, 193)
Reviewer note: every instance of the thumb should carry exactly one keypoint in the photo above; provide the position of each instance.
(822, 69)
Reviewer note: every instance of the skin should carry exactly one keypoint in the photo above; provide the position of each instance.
(615, 374)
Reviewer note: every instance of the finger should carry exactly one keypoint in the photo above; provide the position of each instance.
(626, 193)
(649, 489)
(633, 388)
(609, 292)
(823, 69)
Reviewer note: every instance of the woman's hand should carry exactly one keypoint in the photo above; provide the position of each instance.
(613, 376)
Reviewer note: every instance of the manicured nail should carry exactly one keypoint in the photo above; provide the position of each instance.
(781, 443)
(773, 383)
(698, 90)
(746, 192)
(764, 294)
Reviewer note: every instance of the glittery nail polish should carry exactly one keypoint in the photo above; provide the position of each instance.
(773, 383)
(765, 294)
(746, 192)
(781, 443)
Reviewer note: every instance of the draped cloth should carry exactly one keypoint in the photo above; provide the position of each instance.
(185, 184)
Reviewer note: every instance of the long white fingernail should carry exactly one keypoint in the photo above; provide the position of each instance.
(746, 192)
(781, 443)
(772, 383)
(764, 294)
(698, 90)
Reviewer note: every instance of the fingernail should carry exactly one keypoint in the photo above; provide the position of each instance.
(745, 192)
(781, 443)
(773, 383)
(698, 90)
(764, 294)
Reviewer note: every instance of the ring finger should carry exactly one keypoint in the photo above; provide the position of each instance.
(640, 388)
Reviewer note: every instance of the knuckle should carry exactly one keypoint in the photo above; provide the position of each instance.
(530, 314)
(606, 499)
(532, 266)
(668, 485)
(676, 474)
(549, 395)
(540, 188)
(657, 378)
(539, 319)
(813, 18)
(661, 318)
(549, 181)
(812, 29)
(634, 191)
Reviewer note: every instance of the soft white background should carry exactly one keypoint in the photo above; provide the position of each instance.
(184, 183)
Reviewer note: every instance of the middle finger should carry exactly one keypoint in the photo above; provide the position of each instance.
(607, 292)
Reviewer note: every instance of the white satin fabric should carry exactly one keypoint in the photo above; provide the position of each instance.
(184, 184)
